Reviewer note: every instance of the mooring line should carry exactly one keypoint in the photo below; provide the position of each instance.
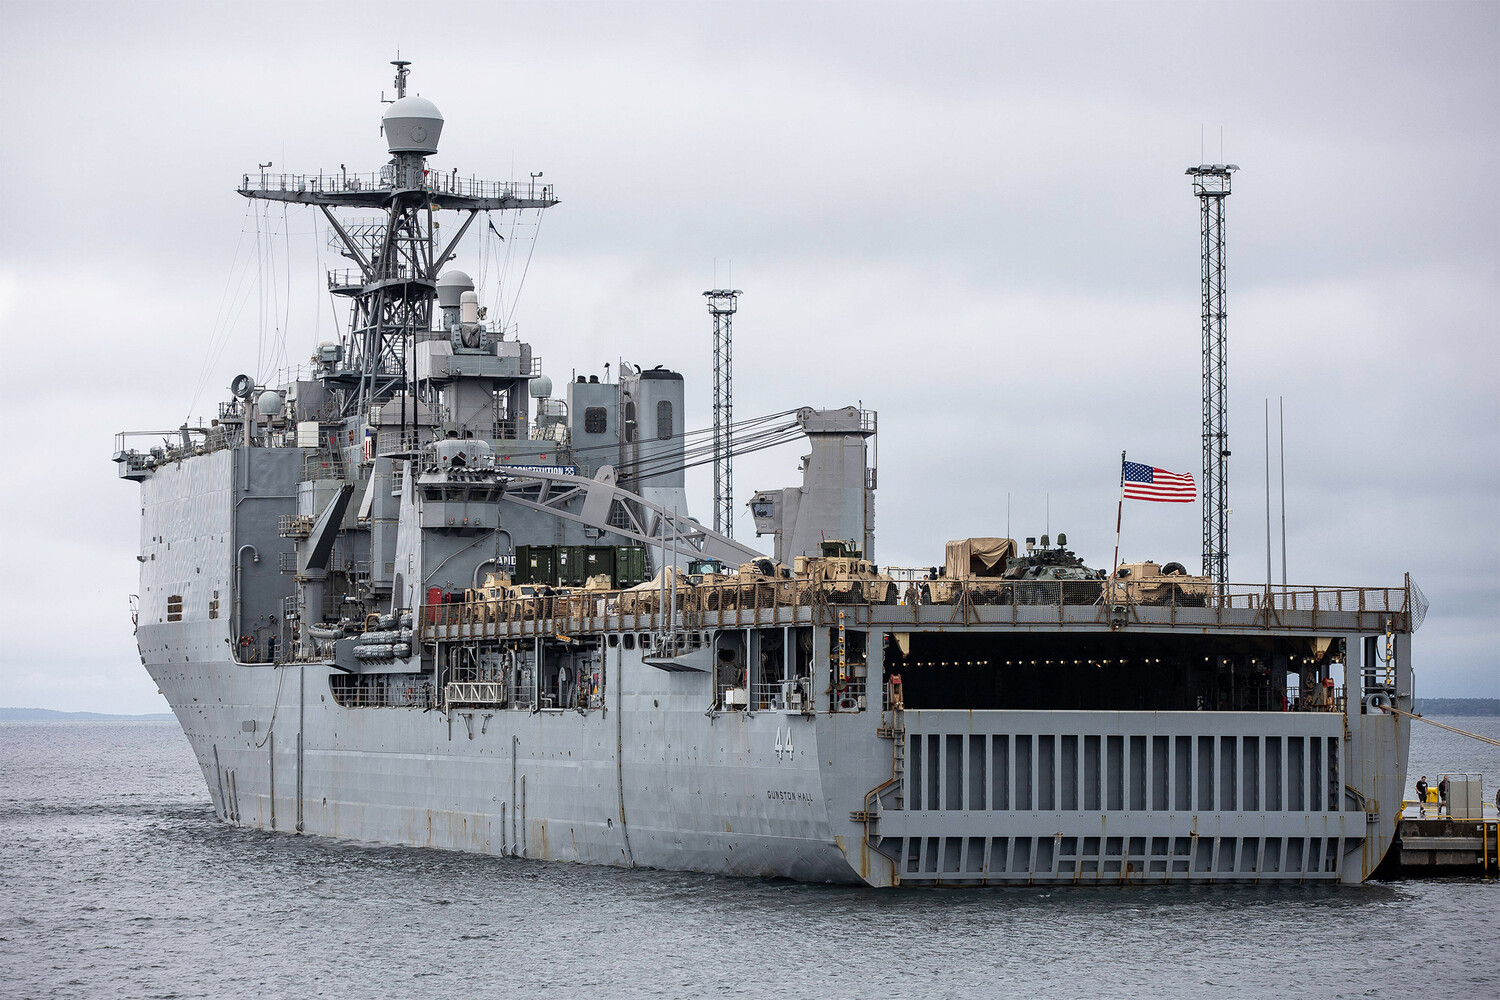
(1451, 729)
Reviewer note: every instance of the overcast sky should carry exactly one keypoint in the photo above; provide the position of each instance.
(971, 218)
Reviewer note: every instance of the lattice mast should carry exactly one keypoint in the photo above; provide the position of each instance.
(398, 258)
(1211, 185)
(722, 303)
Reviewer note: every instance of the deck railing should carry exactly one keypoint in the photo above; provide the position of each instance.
(787, 602)
(437, 182)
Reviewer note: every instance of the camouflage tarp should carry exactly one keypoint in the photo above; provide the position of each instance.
(971, 557)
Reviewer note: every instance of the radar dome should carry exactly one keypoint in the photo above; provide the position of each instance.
(451, 286)
(412, 125)
(541, 387)
(269, 404)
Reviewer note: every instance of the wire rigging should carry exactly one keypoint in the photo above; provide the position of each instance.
(225, 314)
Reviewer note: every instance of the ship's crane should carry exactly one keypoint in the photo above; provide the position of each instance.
(558, 495)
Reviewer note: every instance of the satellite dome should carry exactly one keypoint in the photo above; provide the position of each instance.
(269, 404)
(412, 125)
(451, 286)
(541, 387)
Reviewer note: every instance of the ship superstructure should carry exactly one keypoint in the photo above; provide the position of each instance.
(417, 596)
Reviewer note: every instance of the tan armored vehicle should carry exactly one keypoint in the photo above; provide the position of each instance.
(645, 598)
(590, 599)
(498, 599)
(759, 583)
(712, 586)
(842, 577)
(1148, 583)
(979, 564)
(488, 601)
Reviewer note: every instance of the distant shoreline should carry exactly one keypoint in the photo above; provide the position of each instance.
(1456, 706)
(48, 715)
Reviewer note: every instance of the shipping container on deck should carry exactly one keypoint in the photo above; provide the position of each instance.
(573, 565)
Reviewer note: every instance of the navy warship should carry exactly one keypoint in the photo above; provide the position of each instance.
(414, 595)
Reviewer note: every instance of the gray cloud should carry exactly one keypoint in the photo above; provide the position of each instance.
(971, 217)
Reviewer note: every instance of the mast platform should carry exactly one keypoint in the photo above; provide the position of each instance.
(443, 191)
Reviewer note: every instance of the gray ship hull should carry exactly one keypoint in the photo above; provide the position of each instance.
(637, 785)
(652, 781)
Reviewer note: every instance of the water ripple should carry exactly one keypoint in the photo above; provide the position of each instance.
(117, 881)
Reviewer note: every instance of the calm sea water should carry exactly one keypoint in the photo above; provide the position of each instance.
(117, 881)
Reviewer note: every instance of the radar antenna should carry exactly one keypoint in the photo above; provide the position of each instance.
(397, 258)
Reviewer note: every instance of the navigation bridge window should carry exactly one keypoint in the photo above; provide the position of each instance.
(461, 493)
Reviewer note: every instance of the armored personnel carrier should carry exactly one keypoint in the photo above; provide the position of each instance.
(1052, 574)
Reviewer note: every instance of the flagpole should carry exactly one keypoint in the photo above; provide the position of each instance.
(1281, 453)
(1119, 511)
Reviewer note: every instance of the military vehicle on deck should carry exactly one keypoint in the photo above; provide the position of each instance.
(843, 576)
(1051, 574)
(645, 598)
(975, 564)
(1148, 583)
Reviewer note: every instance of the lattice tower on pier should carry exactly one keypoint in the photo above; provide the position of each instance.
(722, 303)
(1211, 185)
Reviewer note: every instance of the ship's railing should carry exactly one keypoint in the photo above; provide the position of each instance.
(321, 465)
(294, 525)
(437, 182)
(174, 445)
(380, 691)
(781, 695)
(349, 277)
(1191, 602)
(394, 442)
(488, 693)
(1329, 699)
(504, 430)
(719, 603)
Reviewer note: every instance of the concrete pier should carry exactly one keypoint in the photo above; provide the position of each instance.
(1441, 845)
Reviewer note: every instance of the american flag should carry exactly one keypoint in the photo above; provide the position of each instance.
(1142, 482)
